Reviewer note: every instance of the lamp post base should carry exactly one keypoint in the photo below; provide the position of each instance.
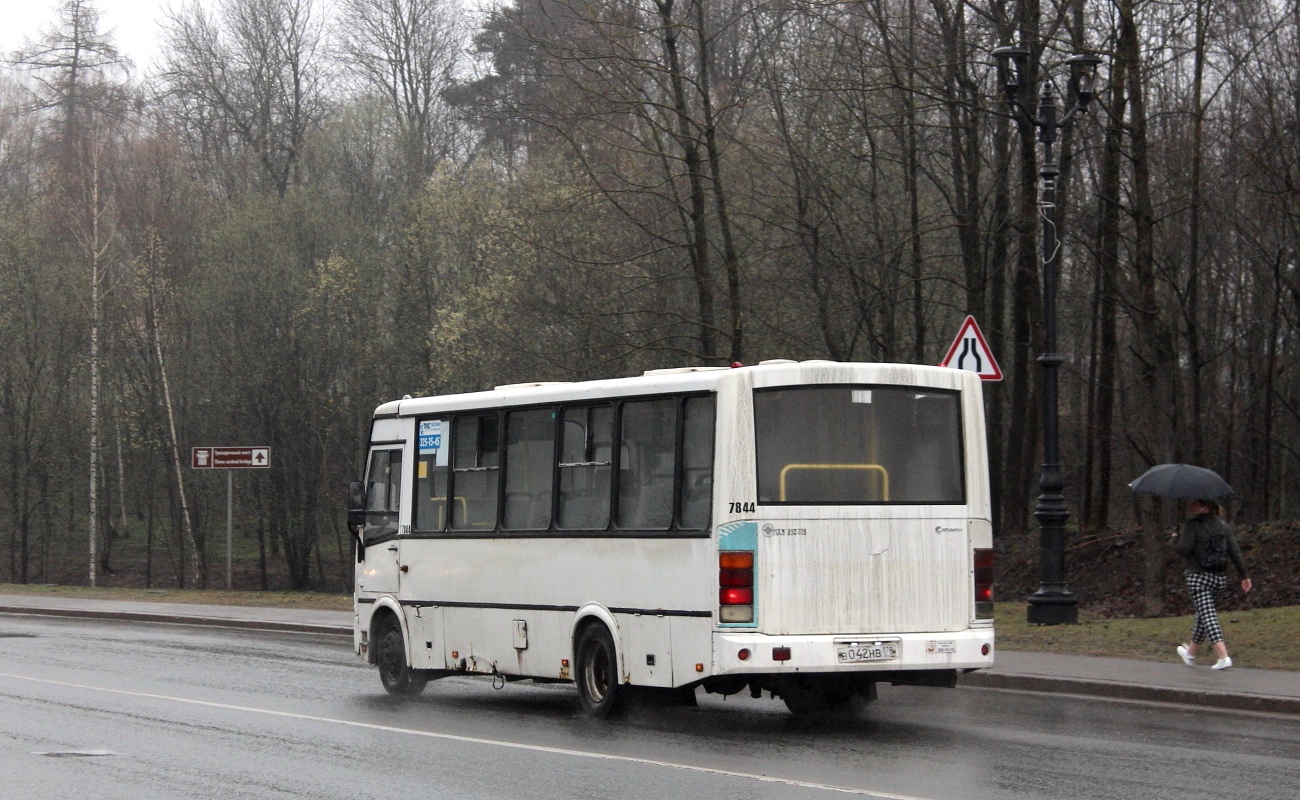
(1053, 608)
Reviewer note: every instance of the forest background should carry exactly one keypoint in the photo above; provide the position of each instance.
(294, 218)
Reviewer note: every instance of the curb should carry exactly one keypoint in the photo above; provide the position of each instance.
(1133, 691)
(172, 619)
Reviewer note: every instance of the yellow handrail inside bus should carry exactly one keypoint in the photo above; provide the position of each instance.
(884, 474)
(464, 511)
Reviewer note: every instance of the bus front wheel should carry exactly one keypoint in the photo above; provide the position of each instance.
(396, 675)
(597, 672)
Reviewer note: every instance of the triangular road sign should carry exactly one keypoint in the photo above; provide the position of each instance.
(970, 352)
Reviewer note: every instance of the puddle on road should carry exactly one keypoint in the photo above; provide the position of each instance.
(75, 753)
(4, 635)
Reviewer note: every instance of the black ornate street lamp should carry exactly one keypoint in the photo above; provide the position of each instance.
(1052, 604)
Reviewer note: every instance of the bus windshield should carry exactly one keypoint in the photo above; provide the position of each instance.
(855, 445)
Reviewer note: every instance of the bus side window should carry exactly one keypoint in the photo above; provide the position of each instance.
(395, 481)
(585, 468)
(377, 483)
(530, 469)
(383, 493)
(696, 487)
(431, 480)
(476, 465)
(646, 458)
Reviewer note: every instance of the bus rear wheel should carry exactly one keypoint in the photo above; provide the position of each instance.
(396, 675)
(813, 697)
(597, 672)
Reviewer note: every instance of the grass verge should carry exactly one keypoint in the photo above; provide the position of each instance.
(312, 600)
(1264, 638)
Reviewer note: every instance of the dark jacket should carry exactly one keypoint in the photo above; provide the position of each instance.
(1195, 537)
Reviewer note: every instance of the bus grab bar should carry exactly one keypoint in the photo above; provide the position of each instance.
(442, 508)
(884, 475)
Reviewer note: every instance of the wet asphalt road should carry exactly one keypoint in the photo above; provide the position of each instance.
(160, 711)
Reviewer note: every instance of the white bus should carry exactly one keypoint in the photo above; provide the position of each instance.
(809, 529)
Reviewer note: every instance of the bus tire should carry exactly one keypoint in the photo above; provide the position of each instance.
(390, 654)
(596, 672)
(812, 697)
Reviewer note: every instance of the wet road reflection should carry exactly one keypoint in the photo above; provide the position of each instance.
(189, 712)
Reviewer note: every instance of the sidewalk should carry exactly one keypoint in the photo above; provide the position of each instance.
(297, 620)
(1239, 688)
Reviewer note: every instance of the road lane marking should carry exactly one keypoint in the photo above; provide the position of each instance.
(536, 748)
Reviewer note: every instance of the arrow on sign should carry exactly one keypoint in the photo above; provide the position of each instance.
(970, 352)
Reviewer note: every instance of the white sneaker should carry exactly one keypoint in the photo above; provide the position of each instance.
(1223, 663)
(1186, 656)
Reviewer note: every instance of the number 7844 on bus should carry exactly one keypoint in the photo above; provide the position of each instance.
(807, 529)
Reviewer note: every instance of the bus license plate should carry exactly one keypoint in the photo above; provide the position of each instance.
(882, 651)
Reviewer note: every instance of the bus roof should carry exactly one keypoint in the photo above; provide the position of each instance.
(659, 381)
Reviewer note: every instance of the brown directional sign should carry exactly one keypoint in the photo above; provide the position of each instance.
(230, 457)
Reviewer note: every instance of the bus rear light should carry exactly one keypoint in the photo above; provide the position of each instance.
(736, 559)
(983, 563)
(780, 654)
(736, 577)
(736, 614)
(736, 596)
(736, 587)
(743, 655)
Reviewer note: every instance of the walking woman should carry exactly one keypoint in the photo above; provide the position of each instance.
(1206, 544)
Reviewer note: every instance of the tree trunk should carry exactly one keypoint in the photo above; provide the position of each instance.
(1156, 400)
(730, 256)
(96, 252)
(200, 580)
(1191, 310)
(690, 145)
(1000, 475)
(1100, 444)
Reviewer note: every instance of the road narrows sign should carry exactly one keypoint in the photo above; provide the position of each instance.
(970, 352)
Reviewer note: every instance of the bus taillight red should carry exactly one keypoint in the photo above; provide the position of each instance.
(735, 596)
(983, 563)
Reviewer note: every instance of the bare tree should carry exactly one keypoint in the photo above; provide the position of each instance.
(250, 71)
(408, 51)
(66, 61)
(71, 67)
(153, 293)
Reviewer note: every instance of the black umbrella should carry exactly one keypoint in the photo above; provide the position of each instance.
(1182, 481)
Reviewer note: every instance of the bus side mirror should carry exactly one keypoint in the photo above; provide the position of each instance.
(356, 505)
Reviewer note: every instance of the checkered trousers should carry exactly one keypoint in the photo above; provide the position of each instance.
(1205, 587)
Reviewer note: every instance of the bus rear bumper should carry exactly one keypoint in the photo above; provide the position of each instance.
(946, 650)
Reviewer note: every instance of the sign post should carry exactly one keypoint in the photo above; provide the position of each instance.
(969, 351)
(230, 527)
(230, 458)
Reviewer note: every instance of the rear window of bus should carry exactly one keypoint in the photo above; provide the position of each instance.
(856, 445)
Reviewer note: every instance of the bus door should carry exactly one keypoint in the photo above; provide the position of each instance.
(379, 572)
